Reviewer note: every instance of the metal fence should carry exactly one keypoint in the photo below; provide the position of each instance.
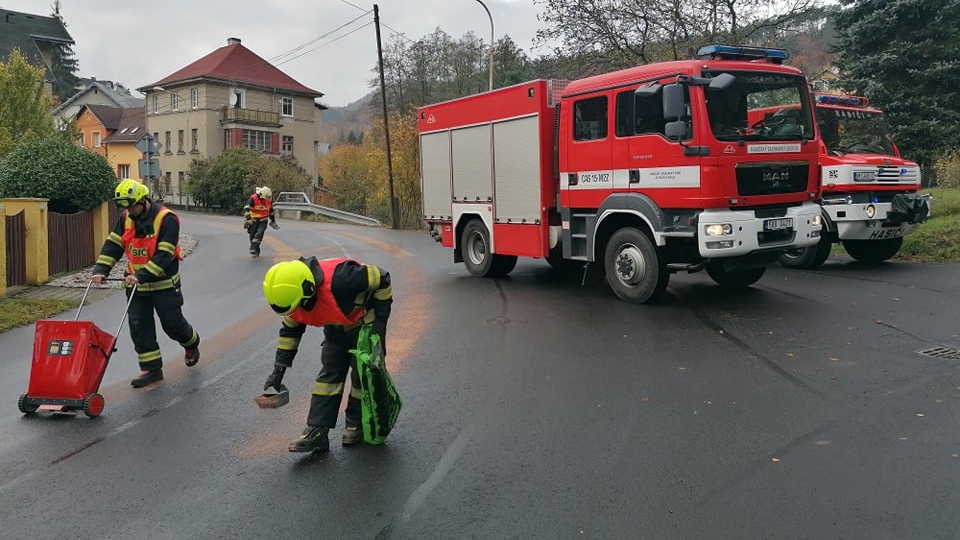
(16, 249)
(69, 241)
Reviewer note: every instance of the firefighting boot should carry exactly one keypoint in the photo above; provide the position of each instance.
(147, 377)
(352, 435)
(313, 439)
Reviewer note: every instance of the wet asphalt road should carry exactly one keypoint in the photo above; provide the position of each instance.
(802, 407)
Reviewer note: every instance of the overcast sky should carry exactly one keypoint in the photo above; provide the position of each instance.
(138, 43)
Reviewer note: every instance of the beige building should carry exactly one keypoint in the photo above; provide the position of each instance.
(231, 97)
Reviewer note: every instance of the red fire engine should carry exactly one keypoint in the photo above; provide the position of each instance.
(870, 198)
(641, 172)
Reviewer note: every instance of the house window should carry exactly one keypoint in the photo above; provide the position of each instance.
(166, 140)
(194, 98)
(166, 182)
(180, 177)
(80, 140)
(227, 139)
(180, 141)
(156, 104)
(261, 141)
(174, 102)
(123, 171)
(287, 149)
(286, 106)
(239, 99)
(194, 138)
(96, 139)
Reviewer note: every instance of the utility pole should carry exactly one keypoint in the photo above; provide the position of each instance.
(394, 209)
(491, 41)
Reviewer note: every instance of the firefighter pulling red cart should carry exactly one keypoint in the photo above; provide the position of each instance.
(69, 361)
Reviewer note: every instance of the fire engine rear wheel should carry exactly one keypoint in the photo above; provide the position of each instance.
(477, 256)
(873, 251)
(807, 258)
(633, 267)
(736, 278)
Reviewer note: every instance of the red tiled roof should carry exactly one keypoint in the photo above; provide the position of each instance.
(132, 127)
(234, 62)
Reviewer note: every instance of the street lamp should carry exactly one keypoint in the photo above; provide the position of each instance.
(491, 41)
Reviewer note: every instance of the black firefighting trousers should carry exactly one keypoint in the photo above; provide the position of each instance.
(256, 230)
(143, 329)
(328, 390)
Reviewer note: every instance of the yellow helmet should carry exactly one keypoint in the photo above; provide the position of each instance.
(265, 192)
(287, 284)
(129, 192)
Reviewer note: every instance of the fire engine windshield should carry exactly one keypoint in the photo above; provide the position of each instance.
(847, 131)
(730, 109)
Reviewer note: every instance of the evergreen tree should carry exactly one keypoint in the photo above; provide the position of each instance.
(64, 64)
(903, 55)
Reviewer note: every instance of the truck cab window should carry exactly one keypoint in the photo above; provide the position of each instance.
(642, 115)
(590, 119)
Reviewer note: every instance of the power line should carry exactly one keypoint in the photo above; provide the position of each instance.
(322, 45)
(318, 38)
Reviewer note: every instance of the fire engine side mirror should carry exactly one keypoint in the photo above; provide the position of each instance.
(674, 110)
(722, 81)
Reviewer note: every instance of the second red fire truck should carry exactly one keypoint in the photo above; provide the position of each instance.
(642, 172)
(870, 198)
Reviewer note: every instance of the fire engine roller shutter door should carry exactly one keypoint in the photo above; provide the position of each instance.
(516, 180)
(435, 171)
(471, 164)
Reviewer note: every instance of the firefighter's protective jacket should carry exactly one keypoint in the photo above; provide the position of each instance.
(150, 242)
(258, 208)
(350, 294)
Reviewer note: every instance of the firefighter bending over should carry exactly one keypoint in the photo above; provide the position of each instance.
(340, 295)
(148, 234)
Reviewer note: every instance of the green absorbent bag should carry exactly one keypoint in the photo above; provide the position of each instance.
(380, 402)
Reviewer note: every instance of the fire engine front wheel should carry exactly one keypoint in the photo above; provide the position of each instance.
(633, 267)
(873, 251)
(807, 258)
(736, 278)
(477, 256)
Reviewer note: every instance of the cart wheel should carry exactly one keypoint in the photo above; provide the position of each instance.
(26, 408)
(93, 405)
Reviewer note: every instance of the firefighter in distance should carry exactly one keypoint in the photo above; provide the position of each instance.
(339, 295)
(256, 214)
(148, 233)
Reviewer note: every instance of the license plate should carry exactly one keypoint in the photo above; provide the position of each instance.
(777, 224)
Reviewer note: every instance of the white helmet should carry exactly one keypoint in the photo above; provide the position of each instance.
(266, 192)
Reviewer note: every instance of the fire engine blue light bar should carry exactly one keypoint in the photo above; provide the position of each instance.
(846, 101)
(737, 52)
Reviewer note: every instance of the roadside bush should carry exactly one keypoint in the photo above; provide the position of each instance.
(947, 170)
(73, 179)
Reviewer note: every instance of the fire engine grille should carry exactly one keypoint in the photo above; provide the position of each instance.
(943, 353)
(771, 178)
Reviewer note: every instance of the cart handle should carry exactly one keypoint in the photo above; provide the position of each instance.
(129, 299)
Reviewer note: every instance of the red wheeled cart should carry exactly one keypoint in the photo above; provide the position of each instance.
(69, 360)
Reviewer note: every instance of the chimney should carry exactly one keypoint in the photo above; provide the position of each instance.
(233, 41)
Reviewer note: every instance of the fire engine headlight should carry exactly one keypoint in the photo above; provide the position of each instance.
(871, 211)
(817, 220)
(718, 229)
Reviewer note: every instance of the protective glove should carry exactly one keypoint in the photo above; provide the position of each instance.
(380, 330)
(246, 224)
(275, 380)
(274, 225)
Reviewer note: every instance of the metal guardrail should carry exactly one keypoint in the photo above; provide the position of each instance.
(298, 201)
